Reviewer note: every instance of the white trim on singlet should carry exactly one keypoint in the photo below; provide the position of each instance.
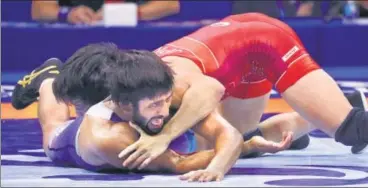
(213, 55)
(100, 110)
(97, 110)
(297, 59)
(282, 75)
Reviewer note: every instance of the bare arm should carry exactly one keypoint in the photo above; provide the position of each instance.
(228, 141)
(157, 9)
(45, 10)
(305, 8)
(49, 11)
(109, 145)
(196, 94)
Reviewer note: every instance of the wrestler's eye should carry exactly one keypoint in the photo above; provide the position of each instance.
(156, 104)
(168, 99)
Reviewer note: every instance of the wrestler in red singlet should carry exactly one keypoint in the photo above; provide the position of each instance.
(247, 53)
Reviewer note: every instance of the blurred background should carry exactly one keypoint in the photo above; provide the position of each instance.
(334, 32)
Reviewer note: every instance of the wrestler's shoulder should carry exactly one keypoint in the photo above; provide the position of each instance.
(105, 130)
(113, 135)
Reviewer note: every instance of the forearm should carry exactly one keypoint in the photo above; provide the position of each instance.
(45, 10)
(172, 162)
(196, 161)
(228, 148)
(197, 103)
(158, 9)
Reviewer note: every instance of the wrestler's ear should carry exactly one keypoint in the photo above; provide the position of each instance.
(125, 107)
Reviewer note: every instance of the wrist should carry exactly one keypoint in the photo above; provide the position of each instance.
(63, 14)
(166, 138)
(216, 169)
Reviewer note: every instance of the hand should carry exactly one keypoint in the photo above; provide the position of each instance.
(265, 146)
(203, 175)
(99, 15)
(305, 9)
(145, 150)
(81, 15)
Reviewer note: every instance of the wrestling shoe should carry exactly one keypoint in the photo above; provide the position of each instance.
(26, 90)
(358, 99)
(300, 143)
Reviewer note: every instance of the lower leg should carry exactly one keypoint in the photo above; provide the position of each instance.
(319, 100)
(51, 113)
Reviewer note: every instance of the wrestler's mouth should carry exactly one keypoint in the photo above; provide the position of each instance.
(156, 124)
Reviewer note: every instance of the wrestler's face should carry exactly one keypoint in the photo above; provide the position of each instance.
(152, 114)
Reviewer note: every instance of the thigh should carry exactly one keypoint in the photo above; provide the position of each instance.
(244, 114)
(62, 141)
(275, 55)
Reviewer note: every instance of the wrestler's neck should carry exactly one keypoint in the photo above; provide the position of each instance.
(124, 112)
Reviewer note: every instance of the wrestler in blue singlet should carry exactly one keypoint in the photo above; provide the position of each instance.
(63, 148)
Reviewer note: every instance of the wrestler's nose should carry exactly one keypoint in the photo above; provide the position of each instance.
(165, 110)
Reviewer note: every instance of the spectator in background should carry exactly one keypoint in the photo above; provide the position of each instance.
(319, 8)
(305, 8)
(268, 7)
(335, 8)
(362, 7)
(287, 8)
(90, 11)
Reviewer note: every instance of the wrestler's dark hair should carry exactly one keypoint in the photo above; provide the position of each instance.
(82, 78)
(140, 74)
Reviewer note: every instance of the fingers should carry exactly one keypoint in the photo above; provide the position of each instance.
(287, 135)
(139, 161)
(205, 177)
(219, 178)
(195, 176)
(133, 157)
(145, 163)
(89, 13)
(82, 14)
(286, 140)
(86, 15)
(284, 144)
(201, 176)
(128, 150)
(83, 19)
(99, 15)
(186, 175)
(209, 177)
